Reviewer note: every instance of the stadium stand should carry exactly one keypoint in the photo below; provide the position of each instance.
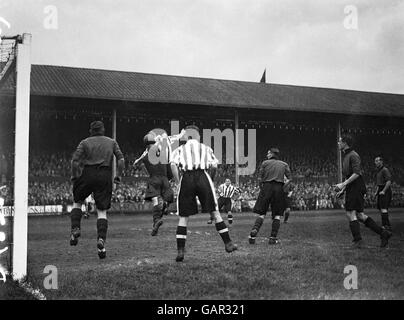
(301, 121)
(313, 177)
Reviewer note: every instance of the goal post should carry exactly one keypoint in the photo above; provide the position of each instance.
(20, 224)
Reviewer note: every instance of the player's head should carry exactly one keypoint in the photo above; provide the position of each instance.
(379, 162)
(345, 142)
(192, 132)
(227, 182)
(149, 139)
(273, 153)
(97, 128)
(158, 131)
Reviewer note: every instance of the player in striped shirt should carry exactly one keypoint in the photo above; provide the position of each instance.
(226, 192)
(194, 159)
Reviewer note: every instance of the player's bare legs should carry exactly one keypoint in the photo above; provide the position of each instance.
(75, 217)
(102, 227)
(385, 219)
(220, 227)
(229, 217)
(287, 213)
(181, 238)
(276, 223)
(158, 207)
(372, 225)
(223, 232)
(256, 228)
(355, 228)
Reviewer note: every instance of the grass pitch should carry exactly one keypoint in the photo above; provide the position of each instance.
(308, 263)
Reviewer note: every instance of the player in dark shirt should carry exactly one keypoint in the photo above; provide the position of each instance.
(383, 192)
(272, 175)
(355, 190)
(156, 160)
(95, 155)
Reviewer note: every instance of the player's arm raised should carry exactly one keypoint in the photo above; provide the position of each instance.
(139, 160)
(177, 137)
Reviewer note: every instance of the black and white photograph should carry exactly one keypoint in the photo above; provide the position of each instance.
(201, 154)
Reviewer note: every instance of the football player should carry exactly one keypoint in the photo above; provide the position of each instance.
(156, 160)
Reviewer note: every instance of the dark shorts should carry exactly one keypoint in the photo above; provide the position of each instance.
(355, 195)
(225, 204)
(271, 193)
(383, 202)
(94, 180)
(159, 186)
(196, 183)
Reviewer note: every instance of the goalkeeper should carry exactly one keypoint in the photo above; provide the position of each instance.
(95, 154)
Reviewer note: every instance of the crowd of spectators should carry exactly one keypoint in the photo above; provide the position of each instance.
(49, 165)
(306, 195)
(305, 161)
(49, 193)
(313, 167)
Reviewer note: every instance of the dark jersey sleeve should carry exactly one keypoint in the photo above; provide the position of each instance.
(261, 172)
(117, 151)
(80, 152)
(355, 164)
(386, 174)
(287, 171)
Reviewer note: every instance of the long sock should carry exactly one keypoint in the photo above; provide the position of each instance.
(102, 227)
(181, 237)
(164, 210)
(286, 216)
(157, 213)
(385, 219)
(258, 223)
(230, 218)
(275, 227)
(372, 225)
(75, 217)
(355, 230)
(223, 231)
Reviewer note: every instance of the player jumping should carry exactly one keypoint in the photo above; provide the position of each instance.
(156, 160)
(95, 153)
(194, 159)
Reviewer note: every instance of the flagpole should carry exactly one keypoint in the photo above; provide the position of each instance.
(263, 78)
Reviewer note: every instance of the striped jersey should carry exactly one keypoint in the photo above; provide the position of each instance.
(227, 191)
(193, 156)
